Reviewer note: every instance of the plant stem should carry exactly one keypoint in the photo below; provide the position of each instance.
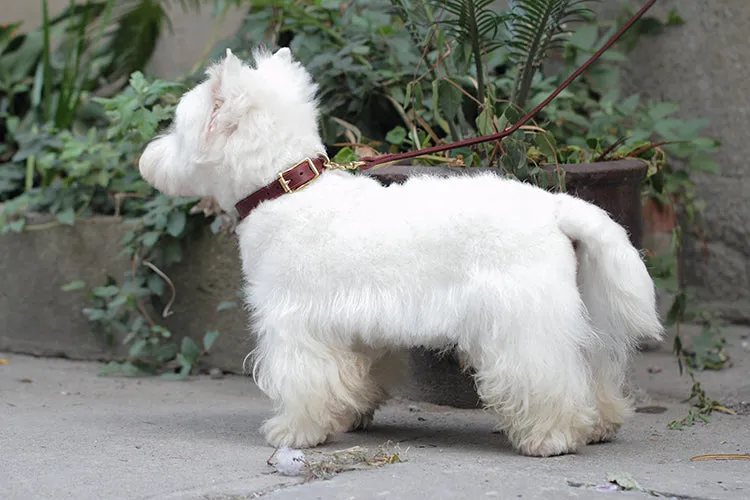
(47, 66)
(43, 226)
(529, 66)
(30, 164)
(477, 50)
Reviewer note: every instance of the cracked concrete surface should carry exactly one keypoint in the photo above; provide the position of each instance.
(68, 434)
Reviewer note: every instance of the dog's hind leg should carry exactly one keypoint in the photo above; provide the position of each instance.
(535, 376)
(318, 389)
(613, 406)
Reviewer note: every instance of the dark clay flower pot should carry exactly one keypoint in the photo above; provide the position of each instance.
(614, 186)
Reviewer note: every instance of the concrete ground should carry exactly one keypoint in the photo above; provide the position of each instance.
(67, 433)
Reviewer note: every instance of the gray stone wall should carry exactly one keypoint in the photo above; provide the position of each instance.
(178, 50)
(703, 65)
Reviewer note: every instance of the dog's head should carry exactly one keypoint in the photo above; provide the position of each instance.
(234, 131)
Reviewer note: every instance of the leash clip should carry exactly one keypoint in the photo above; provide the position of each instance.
(351, 166)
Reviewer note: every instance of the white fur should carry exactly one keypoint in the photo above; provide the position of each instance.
(344, 273)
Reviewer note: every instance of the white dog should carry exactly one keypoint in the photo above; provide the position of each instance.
(343, 272)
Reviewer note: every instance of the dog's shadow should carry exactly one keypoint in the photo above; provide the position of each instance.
(473, 438)
(425, 430)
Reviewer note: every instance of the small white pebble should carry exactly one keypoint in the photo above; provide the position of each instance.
(289, 462)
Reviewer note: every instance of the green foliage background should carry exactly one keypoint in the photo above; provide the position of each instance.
(394, 76)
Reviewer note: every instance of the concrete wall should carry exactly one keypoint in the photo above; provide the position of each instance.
(703, 66)
(37, 318)
(177, 51)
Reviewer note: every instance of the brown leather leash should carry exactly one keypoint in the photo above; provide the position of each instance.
(304, 172)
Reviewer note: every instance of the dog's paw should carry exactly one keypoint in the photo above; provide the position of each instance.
(603, 433)
(551, 444)
(280, 432)
(362, 421)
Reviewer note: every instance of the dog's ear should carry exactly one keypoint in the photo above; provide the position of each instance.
(225, 85)
(231, 65)
(284, 54)
(225, 73)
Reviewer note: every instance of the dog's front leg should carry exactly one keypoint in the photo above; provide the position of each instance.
(319, 389)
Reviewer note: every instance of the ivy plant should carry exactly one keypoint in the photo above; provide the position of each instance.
(94, 172)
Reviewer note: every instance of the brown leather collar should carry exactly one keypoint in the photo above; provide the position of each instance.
(289, 181)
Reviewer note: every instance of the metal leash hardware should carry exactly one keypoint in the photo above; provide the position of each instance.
(351, 166)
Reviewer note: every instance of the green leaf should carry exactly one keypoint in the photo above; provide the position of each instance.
(345, 155)
(186, 364)
(17, 225)
(189, 349)
(703, 163)
(674, 18)
(705, 143)
(449, 99)
(661, 110)
(137, 348)
(156, 284)
(106, 291)
(67, 217)
(208, 340)
(73, 285)
(227, 304)
(484, 123)
(585, 37)
(677, 310)
(160, 330)
(407, 95)
(176, 223)
(396, 135)
(613, 56)
(94, 314)
(418, 96)
(628, 105)
(546, 143)
(150, 238)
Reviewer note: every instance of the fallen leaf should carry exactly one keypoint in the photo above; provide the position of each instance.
(721, 456)
(4, 361)
(651, 409)
(623, 480)
(723, 409)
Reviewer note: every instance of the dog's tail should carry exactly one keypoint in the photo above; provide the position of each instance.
(614, 282)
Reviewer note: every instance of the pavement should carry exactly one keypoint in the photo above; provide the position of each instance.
(67, 433)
